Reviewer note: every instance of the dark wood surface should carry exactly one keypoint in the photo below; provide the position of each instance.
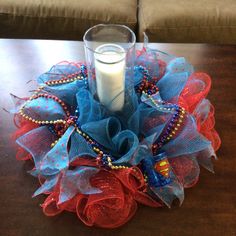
(209, 208)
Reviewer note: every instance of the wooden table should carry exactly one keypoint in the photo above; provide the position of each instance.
(209, 208)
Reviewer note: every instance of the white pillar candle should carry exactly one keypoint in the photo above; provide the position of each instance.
(110, 75)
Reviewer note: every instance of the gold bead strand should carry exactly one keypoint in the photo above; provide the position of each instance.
(64, 80)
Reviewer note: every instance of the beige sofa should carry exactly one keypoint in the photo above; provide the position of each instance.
(183, 21)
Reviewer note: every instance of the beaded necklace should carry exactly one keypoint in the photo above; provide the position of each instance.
(58, 127)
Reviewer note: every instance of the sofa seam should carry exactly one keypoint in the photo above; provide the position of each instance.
(189, 27)
(137, 22)
(142, 15)
(74, 18)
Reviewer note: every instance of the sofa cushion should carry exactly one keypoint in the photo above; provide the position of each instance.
(62, 19)
(201, 21)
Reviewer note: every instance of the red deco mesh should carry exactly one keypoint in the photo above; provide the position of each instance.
(196, 89)
(121, 190)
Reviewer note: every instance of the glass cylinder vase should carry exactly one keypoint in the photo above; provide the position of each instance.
(110, 55)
